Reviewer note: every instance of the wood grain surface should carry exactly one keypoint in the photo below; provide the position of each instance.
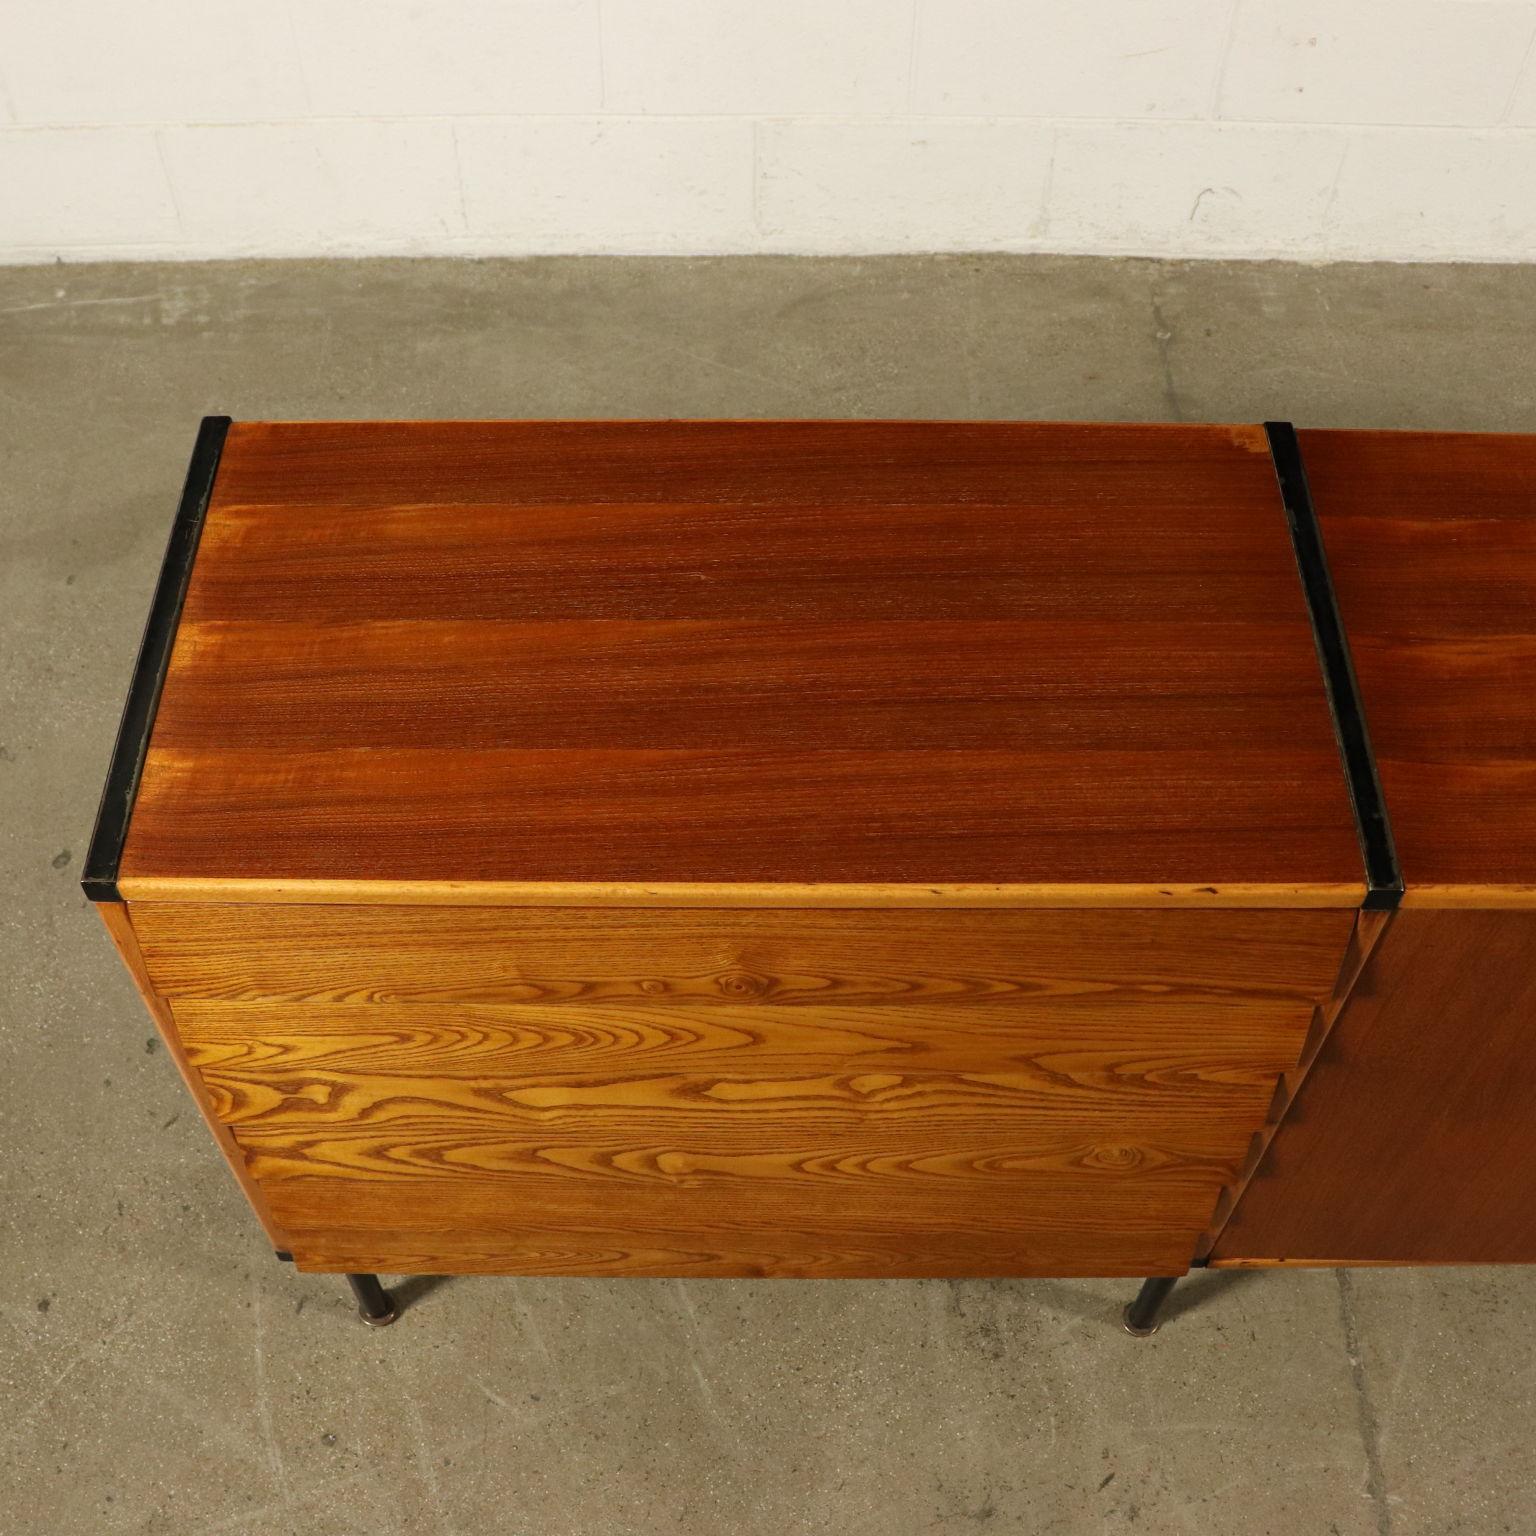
(844, 848)
(218, 891)
(402, 954)
(1370, 927)
(741, 1092)
(1053, 655)
(1413, 1138)
(703, 1228)
(118, 921)
(1431, 538)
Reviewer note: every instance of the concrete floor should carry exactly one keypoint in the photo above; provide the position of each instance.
(159, 1372)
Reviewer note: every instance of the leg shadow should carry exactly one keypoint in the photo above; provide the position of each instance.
(414, 1288)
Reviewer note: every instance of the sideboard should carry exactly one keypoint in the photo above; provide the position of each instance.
(788, 848)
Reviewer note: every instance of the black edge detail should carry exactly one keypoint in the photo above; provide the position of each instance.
(99, 878)
(1383, 878)
(283, 1256)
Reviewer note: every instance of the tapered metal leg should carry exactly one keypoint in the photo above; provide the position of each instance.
(374, 1304)
(1141, 1315)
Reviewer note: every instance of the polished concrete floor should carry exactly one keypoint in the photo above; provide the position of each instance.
(159, 1372)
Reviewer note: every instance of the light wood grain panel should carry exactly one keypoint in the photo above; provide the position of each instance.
(873, 1129)
(589, 1091)
(698, 1105)
(118, 921)
(402, 954)
(962, 1228)
(1165, 1043)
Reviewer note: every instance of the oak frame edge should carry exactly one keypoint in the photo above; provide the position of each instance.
(535, 893)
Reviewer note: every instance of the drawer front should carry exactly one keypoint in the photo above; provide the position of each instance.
(740, 1092)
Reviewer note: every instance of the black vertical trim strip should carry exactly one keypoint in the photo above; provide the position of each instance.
(1384, 880)
(99, 878)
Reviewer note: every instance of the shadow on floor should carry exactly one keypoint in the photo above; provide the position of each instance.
(1191, 1293)
(414, 1288)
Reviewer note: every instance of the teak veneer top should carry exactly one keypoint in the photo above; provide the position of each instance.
(1431, 539)
(652, 661)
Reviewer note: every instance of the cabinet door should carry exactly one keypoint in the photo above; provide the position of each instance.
(1413, 1139)
(740, 1092)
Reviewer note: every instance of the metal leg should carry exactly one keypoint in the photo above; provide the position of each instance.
(1140, 1316)
(374, 1304)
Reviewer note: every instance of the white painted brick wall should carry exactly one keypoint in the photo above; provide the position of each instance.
(779, 58)
(1322, 129)
(824, 185)
(673, 183)
(1123, 59)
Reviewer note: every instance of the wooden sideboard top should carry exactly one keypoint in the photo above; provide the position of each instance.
(982, 662)
(1431, 539)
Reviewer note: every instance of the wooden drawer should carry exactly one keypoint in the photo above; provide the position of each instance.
(736, 1092)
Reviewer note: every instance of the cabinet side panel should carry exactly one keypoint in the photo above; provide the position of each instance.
(1413, 1139)
(552, 1091)
(1369, 927)
(119, 924)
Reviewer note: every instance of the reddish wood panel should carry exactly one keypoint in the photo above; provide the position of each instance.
(1413, 1139)
(1431, 538)
(1368, 931)
(686, 684)
(1179, 819)
(735, 652)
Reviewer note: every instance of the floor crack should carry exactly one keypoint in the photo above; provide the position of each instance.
(1164, 335)
(1370, 1428)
